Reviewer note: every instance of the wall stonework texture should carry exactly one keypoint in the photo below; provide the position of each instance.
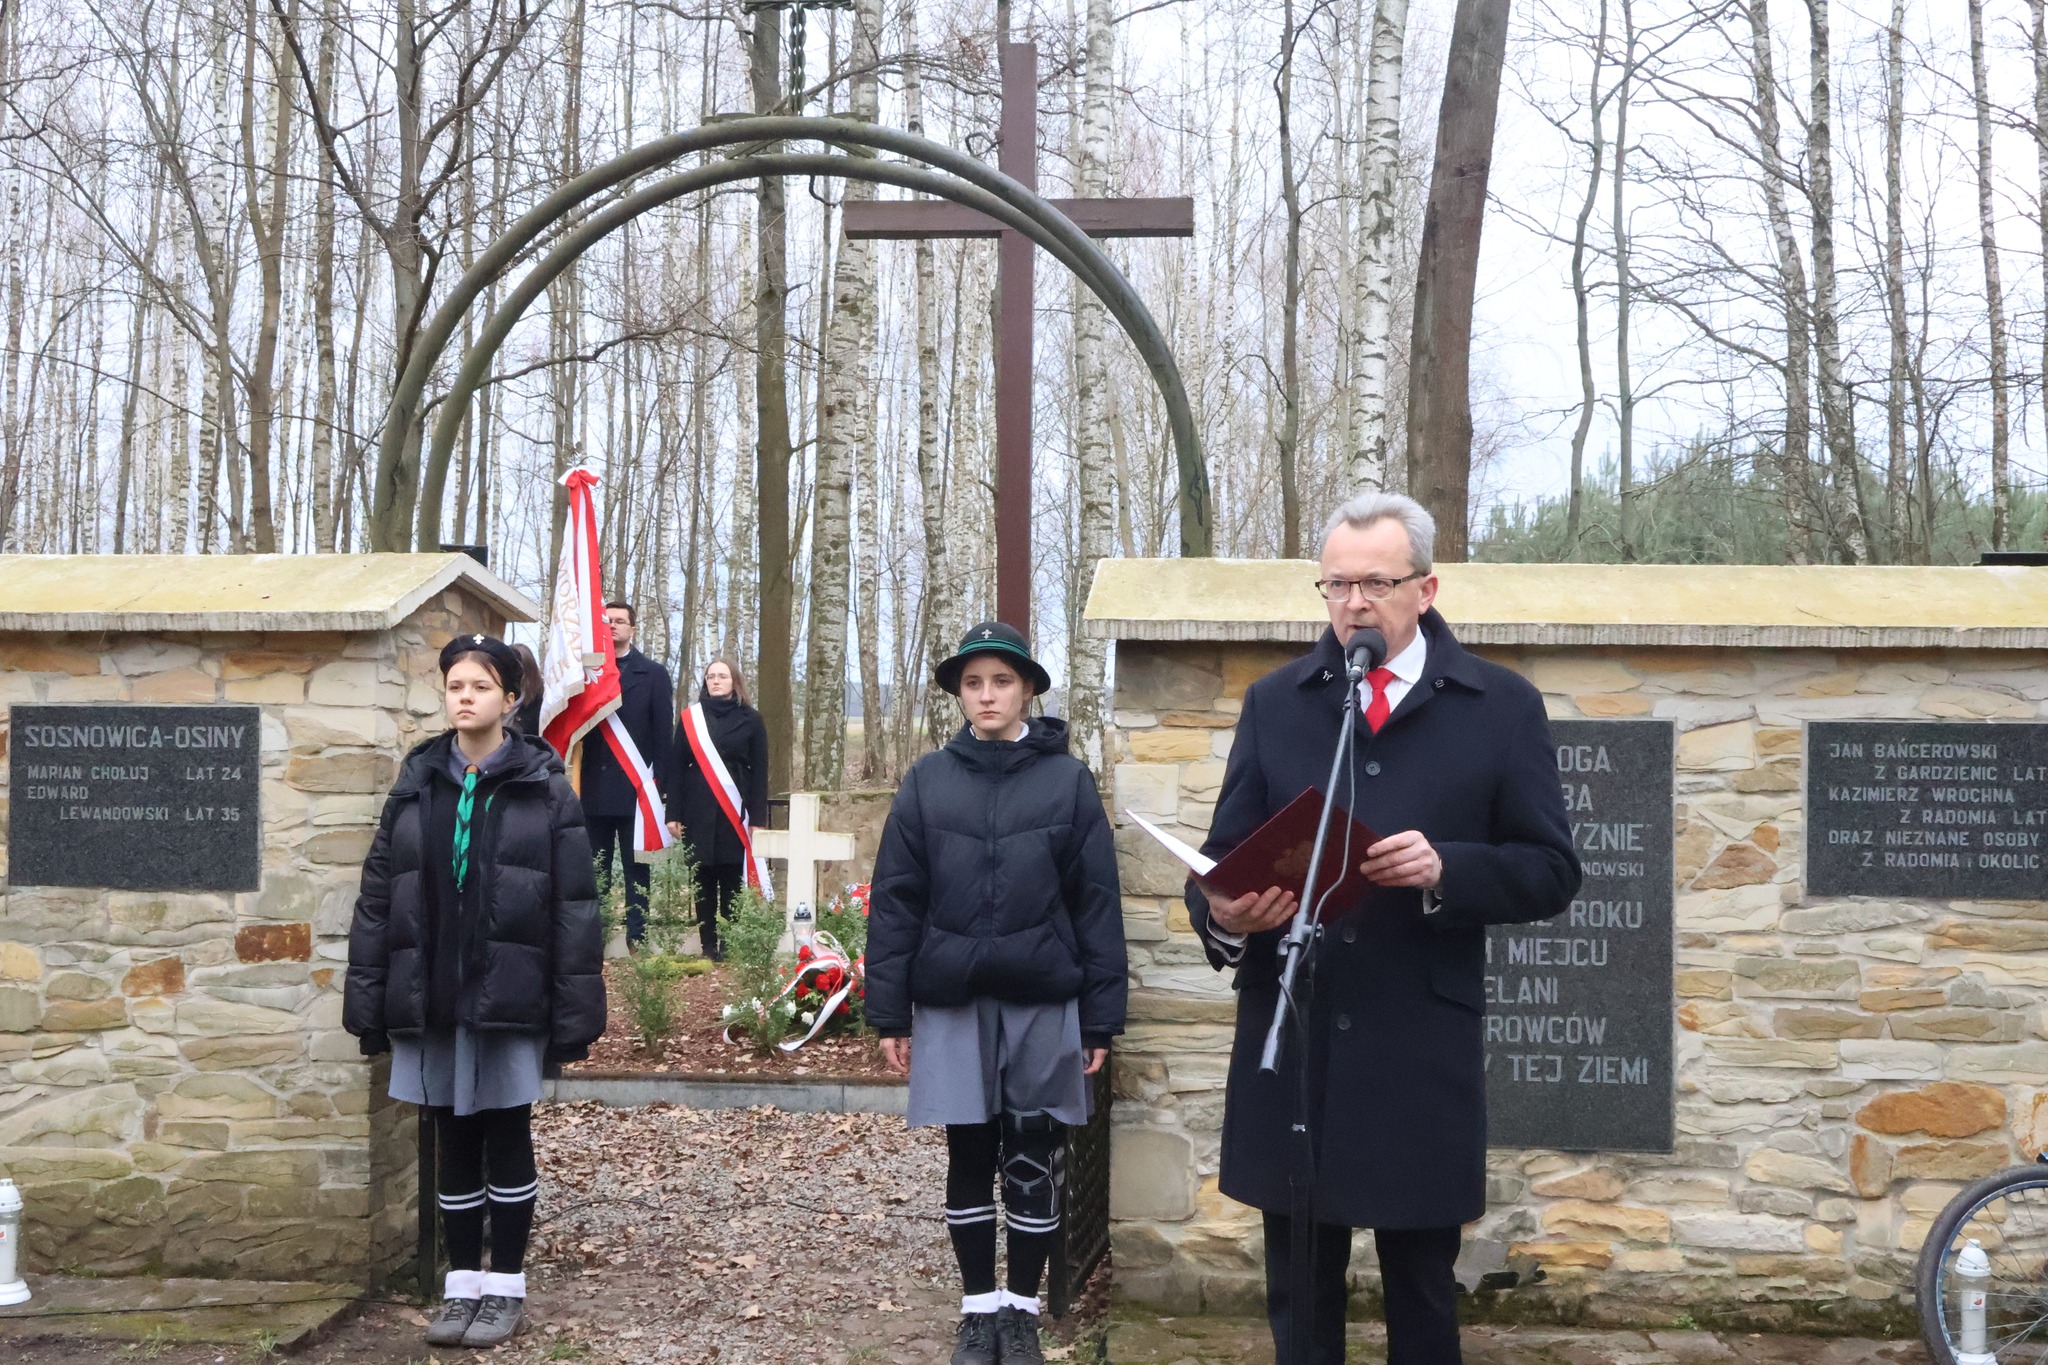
(1843, 1065)
(179, 1094)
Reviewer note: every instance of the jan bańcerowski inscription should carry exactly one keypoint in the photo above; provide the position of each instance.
(1578, 1014)
(139, 798)
(1926, 808)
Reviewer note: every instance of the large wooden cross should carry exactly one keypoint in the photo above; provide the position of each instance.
(906, 219)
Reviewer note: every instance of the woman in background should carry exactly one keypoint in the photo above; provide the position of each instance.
(527, 718)
(715, 786)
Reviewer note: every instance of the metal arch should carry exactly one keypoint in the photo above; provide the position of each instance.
(404, 408)
(1115, 293)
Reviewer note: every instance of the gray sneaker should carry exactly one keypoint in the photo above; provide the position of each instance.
(452, 1321)
(977, 1344)
(498, 1320)
(1017, 1337)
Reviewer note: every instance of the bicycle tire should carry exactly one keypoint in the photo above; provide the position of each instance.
(1931, 1266)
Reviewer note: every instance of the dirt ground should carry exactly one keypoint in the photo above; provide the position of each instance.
(698, 1047)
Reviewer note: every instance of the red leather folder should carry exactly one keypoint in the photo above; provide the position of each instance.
(1278, 853)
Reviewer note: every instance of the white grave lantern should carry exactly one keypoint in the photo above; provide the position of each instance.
(13, 1289)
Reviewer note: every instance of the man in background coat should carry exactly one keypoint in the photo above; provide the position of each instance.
(647, 707)
(1453, 756)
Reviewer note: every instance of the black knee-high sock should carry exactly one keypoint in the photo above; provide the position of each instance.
(1034, 1189)
(971, 1153)
(461, 1172)
(513, 1185)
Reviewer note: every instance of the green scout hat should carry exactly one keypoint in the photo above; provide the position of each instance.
(993, 637)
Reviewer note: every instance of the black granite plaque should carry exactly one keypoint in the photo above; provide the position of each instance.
(138, 798)
(1927, 808)
(1578, 1014)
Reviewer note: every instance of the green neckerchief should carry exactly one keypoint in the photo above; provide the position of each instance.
(464, 808)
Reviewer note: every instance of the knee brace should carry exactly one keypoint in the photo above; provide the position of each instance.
(1034, 1172)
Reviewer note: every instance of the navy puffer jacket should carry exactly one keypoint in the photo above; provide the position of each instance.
(532, 951)
(997, 877)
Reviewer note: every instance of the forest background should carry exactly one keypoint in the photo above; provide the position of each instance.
(1761, 282)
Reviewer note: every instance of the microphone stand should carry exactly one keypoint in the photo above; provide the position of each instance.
(1293, 950)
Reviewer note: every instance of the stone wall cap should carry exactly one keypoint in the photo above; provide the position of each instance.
(104, 593)
(1716, 605)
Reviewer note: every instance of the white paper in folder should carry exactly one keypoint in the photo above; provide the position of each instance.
(1197, 864)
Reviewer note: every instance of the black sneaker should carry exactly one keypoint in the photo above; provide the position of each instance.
(977, 1340)
(452, 1321)
(1017, 1338)
(496, 1321)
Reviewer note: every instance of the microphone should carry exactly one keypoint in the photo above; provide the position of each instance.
(1367, 651)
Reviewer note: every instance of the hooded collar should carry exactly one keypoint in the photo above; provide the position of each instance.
(522, 758)
(1043, 736)
(1322, 669)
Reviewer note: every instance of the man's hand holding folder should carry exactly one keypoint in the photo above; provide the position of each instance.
(1258, 885)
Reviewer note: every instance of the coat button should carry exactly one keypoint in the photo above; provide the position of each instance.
(1343, 1023)
(1372, 767)
(1351, 933)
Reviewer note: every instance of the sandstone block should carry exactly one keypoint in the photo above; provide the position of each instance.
(313, 728)
(1738, 1232)
(1603, 705)
(1577, 673)
(1870, 1167)
(1950, 1160)
(1775, 1052)
(1798, 978)
(1736, 865)
(75, 986)
(1805, 1023)
(1973, 703)
(1563, 1255)
(1855, 917)
(28, 654)
(279, 1169)
(1146, 869)
(1768, 1166)
(278, 689)
(243, 1053)
(1718, 748)
(104, 1116)
(1660, 1191)
(106, 687)
(1170, 746)
(1703, 984)
(204, 1018)
(1944, 1109)
(47, 1165)
(1877, 1060)
(84, 1016)
(1896, 999)
(1651, 1261)
(347, 770)
(2018, 1063)
(1152, 1174)
(19, 962)
(1997, 936)
(1768, 777)
(1585, 1220)
(274, 943)
(151, 654)
(20, 1010)
(1170, 677)
(1695, 840)
(1148, 788)
(1244, 665)
(176, 685)
(353, 682)
(217, 1097)
(347, 847)
(162, 976)
(1597, 1183)
(1954, 1025)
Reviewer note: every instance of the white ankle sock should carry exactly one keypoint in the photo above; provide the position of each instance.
(1019, 1302)
(981, 1303)
(464, 1284)
(505, 1286)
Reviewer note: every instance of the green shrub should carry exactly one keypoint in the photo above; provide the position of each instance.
(648, 982)
(754, 962)
(671, 902)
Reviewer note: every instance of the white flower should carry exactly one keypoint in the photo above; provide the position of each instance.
(808, 1016)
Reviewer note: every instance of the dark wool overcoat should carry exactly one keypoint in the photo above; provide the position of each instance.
(742, 742)
(997, 878)
(1394, 1043)
(647, 708)
(529, 944)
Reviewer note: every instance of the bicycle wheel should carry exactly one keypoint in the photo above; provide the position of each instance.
(2007, 1215)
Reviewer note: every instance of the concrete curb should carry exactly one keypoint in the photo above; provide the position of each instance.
(806, 1095)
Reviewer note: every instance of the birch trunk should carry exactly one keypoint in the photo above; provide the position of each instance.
(1087, 656)
(264, 167)
(1898, 500)
(2040, 53)
(1589, 397)
(324, 412)
(1287, 440)
(1837, 410)
(1624, 384)
(1994, 294)
(941, 614)
(1795, 474)
(771, 399)
(1375, 307)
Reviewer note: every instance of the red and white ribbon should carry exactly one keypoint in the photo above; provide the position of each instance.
(727, 793)
(826, 955)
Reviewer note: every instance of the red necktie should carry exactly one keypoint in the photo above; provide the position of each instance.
(1376, 714)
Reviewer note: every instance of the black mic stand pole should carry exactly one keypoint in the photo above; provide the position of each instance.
(1300, 940)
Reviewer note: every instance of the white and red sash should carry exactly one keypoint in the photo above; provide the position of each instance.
(698, 731)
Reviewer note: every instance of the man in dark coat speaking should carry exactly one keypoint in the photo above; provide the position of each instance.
(647, 708)
(1454, 766)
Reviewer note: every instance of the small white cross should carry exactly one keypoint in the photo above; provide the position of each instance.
(988, 635)
(478, 638)
(801, 848)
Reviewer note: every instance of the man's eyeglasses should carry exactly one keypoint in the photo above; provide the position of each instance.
(1374, 589)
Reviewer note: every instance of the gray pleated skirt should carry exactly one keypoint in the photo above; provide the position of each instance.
(467, 1072)
(974, 1062)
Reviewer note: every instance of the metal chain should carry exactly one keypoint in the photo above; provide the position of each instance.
(796, 57)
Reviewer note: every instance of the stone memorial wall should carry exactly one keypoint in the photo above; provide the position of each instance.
(186, 814)
(1840, 1052)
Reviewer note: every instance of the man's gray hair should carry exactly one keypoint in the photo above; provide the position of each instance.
(1366, 508)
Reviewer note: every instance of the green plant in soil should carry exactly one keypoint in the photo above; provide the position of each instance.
(671, 903)
(647, 978)
(754, 961)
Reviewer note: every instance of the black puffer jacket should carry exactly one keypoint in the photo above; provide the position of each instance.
(997, 877)
(532, 950)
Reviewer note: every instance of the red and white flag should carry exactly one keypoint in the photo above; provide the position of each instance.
(579, 670)
(727, 793)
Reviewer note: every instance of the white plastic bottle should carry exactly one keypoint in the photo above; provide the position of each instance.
(13, 1289)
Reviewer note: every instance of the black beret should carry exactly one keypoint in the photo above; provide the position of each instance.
(504, 659)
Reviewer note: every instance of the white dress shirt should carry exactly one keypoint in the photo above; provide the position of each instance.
(1407, 670)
